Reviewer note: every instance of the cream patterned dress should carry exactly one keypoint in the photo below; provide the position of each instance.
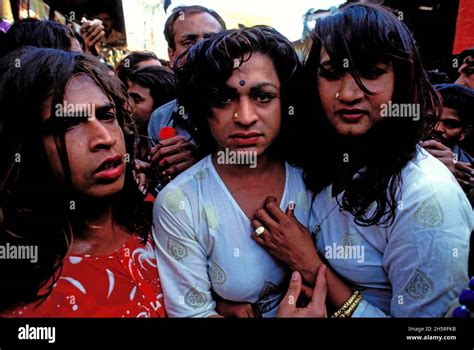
(204, 245)
(418, 265)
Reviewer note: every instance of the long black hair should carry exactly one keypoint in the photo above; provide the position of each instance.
(355, 35)
(36, 209)
(204, 69)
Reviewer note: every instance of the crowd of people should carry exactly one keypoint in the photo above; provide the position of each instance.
(235, 180)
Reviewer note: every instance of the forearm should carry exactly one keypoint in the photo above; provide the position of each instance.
(308, 272)
(338, 292)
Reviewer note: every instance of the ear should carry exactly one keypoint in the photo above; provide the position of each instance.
(171, 53)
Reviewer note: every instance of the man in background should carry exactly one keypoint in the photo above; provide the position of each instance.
(186, 26)
(454, 125)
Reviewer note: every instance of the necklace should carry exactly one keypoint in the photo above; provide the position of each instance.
(316, 229)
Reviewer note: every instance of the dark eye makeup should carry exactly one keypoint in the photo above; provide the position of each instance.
(57, 124)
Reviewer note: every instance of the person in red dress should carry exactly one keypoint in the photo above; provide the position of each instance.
(74, 229)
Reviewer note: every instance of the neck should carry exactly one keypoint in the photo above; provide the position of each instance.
(351, 152)
(350, 156)
(262, 164)
(95, 228)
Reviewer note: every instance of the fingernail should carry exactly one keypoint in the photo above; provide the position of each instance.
(294, 276)
(141, 188)
(291, 205)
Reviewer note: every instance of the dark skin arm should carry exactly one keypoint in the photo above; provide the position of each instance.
(463, 172)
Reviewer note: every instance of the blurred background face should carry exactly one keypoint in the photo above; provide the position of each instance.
(106, 22)
(254, 94)
(189, 29)
(95, 145)
(142, 104)
(148, 63)
(353, 112)
(466, 73)
(450, 128)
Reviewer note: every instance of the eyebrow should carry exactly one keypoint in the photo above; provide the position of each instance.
(53, 122)
(373, 61)
(188, 36)
(208, 35)
(257, 86)
(101, 109)
(135, 94)
(194, 36)
(105, 107)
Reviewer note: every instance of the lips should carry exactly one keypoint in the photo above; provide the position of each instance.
(351, 114)
(110, 169)
(245, 139)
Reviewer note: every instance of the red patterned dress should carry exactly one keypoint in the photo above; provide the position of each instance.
(123, 284)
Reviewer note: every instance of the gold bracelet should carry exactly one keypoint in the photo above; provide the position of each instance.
(350, 310)
(345, 305)
(349, 306)
(347, 309)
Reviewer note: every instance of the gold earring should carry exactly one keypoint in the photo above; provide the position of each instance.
(337, 95)
(236, 115)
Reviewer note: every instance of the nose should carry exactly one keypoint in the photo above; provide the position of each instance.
(349, 91)
(439, 127)
(246, 112)
(100, 136)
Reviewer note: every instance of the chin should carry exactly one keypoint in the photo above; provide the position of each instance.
(352, 130)
(106, 190)
(353, 133)
(258, 150)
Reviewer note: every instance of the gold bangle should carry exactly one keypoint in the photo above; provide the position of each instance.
(350, 310)
(346, 304)
(347, 309)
